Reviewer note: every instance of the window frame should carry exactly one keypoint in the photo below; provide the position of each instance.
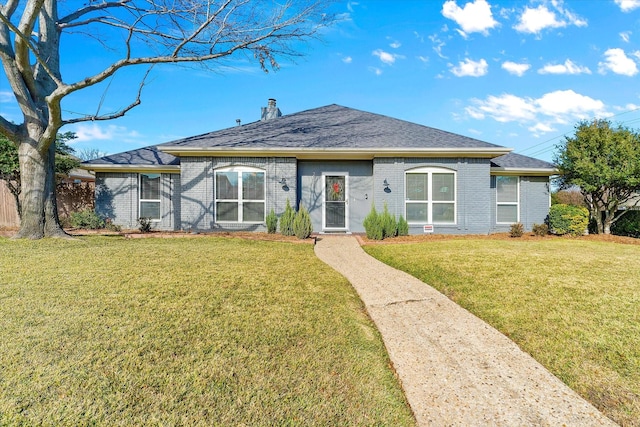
(158, 200)
(430, 171)
(239, 171)
(510, 203)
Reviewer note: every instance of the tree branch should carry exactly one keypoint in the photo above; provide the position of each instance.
(88, 9)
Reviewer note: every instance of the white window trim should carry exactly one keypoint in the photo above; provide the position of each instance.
(140, 200)
(239, 170)
(430, 171)
(516, 203)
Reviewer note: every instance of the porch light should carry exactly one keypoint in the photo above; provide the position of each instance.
(283, 182)
(386, 186)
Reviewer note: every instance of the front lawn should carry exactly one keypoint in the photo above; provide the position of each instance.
(202, 331)
(574, 305)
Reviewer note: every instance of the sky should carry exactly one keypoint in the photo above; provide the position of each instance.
(520, 74)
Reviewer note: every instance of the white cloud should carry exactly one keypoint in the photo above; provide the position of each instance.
(93, 132)
(567, 68)
(347, 60)
(628, 5)
(625, 36)
(474, 17)
(375, 70)
(534, 20)
(618, 62)
(6, 96)
(395, 44)
(470, 68)
(386, 57)
(437, 45)
(559, 107)
(515, 68)
(504, 108)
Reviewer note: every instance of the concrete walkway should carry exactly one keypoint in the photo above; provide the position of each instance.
(455, 369)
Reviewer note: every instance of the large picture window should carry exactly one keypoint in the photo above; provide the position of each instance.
(149, 197)
(507, 209)
(430, 196)
(240, 195)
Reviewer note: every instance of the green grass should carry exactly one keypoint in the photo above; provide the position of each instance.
(573, 305)
(204, 331)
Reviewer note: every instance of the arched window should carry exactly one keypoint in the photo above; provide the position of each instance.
(240, 194)
(430, 196)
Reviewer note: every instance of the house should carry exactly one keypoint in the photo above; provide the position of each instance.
(335, 161)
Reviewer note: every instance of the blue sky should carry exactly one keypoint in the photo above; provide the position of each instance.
(515, 73)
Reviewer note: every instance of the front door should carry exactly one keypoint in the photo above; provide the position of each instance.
(336, 202)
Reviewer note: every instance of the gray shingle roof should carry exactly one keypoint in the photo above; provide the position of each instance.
(332, 126)
(147, 156)
(518, 161)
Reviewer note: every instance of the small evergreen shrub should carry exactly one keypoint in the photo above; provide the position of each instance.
(272, 222)
(144, 224)
(516, 230)
(109, 225)
(302, 226)
(389, 225)
(568, 219)
(286, 220)
(540, 229)
(627, 225)
(403, 226)
(373, 225)
(86, 218)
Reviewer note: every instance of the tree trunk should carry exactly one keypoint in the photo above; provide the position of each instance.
(52, 226)
(33, 171)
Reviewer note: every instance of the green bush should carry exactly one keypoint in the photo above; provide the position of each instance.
(627, 225)
(403, 226)
(373, 225)
(272, 222)
(302, 226)
(389, 225)
(540, 229)
(286, 220)
(144, 224)
(86, 218)
(516, 230)
(568, 219)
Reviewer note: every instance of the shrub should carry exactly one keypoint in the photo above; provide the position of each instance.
(373, 225)
(540, 229)
(403, 226)
(272, 222)
(627, 225)
(388, 221)
(144, 224)
(109, 225)
(86, 218)
(568, 219)
(302, 227)
(286, 220)
(516, 230)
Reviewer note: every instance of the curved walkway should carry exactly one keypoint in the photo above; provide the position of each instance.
(454, 368)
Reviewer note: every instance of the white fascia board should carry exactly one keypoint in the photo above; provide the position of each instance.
(524, 171)
(133, 168)
(338, 153)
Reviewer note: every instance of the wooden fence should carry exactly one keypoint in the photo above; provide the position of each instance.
(71, 197)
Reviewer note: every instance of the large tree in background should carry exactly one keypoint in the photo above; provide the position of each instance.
(144, 32)
(603, 161)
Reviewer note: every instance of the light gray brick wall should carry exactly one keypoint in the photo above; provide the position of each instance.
(472, 192)
(534, 197)
(535, 200)
(117, 199)
(198, 192)
(359, 189)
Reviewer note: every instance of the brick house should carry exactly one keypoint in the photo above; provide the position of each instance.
(334, 160)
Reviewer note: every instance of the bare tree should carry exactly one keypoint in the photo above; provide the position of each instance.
(149, 32)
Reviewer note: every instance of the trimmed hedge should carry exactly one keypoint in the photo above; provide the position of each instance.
(568, 219)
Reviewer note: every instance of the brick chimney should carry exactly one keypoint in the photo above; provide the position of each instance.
(271, 111)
